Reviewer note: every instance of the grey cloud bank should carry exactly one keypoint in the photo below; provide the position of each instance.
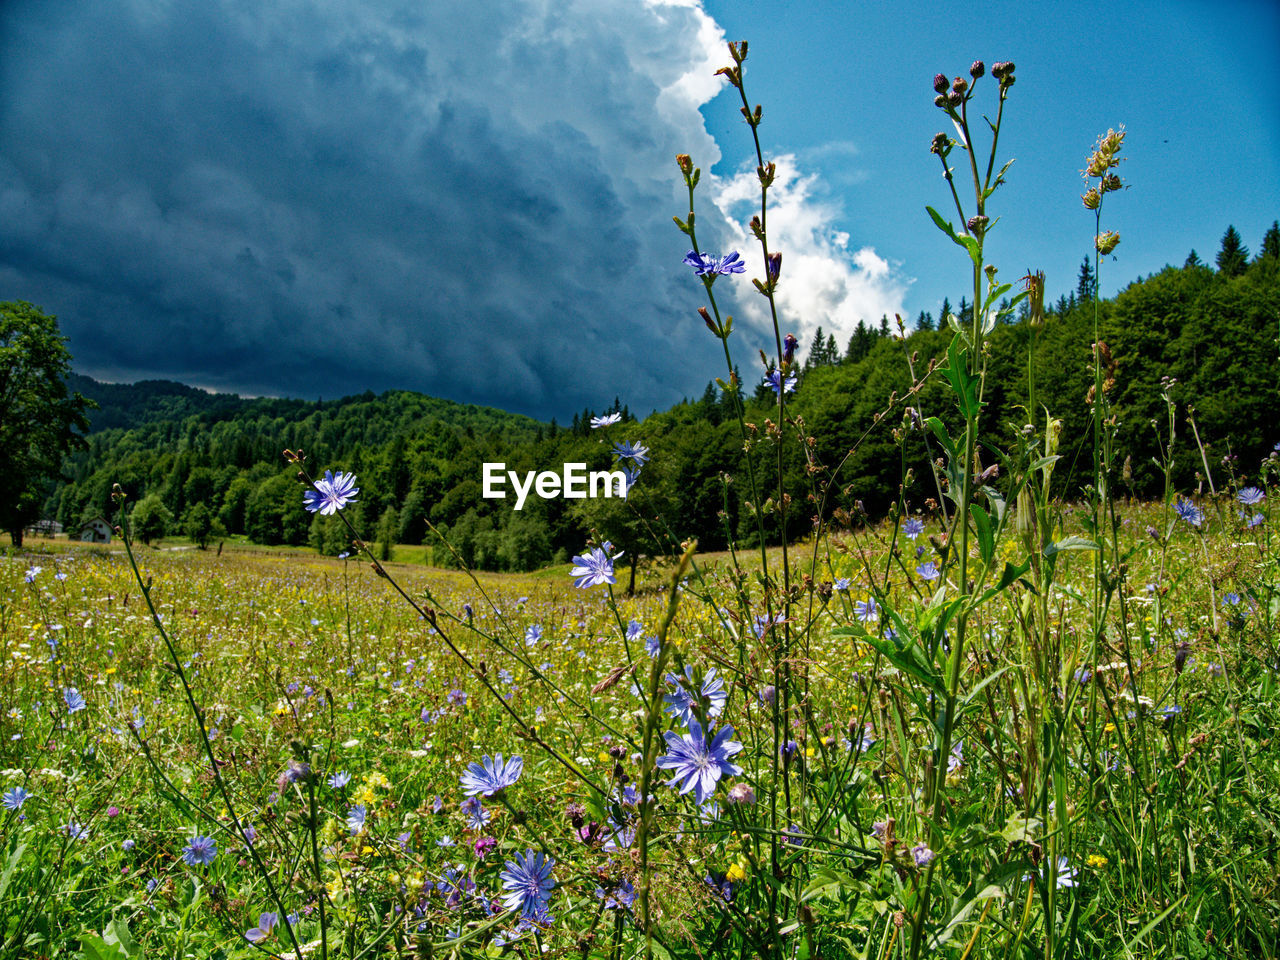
(471, 200)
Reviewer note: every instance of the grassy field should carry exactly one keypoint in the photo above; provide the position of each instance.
(1168, 767)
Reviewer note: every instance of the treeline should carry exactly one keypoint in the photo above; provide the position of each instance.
(217, 469)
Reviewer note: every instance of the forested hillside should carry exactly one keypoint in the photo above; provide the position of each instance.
(211, 465)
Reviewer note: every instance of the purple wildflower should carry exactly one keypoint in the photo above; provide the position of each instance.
(200, 851)
(266, 923)
(528, 883)
(1188, 511)
(331, 493)
(592, 569)
(491, 776)
(708, 266)
(774, 380)
(697, 763)
(1251, 496)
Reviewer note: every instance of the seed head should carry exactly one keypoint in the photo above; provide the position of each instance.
(1105, 154)
(1107, 241)
(1092, 199)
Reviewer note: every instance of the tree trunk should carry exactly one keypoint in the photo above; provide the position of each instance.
(15, 536)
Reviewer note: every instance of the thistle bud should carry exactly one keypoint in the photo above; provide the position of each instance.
(1092, 199)
(940, 101)
(940, 83)
(955, 98)
(977, 225)
(978, 69)
(959, 85)
(940, 144)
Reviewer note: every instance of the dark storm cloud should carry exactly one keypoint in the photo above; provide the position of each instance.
(469, 199)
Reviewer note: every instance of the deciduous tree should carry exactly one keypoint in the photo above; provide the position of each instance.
(40, 420)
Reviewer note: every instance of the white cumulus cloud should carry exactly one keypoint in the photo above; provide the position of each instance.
(824, 282)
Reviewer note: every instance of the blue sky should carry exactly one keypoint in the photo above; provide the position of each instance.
(1195, 83)
(475, 200)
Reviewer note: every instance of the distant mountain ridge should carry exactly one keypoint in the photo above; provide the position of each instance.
(126, 406)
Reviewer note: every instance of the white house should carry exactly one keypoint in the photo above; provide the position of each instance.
(96, 530)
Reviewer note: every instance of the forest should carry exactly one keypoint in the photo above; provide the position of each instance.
(1199, 339)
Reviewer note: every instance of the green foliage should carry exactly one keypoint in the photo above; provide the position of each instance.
(197, 524)
(40, 420)
(1233, 256)
(151, 519)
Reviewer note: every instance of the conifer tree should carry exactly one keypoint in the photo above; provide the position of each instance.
(1234, 255)
(1271, 243)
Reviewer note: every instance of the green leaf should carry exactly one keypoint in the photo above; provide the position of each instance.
(986, 536)
(982, 683)
(963, 383)
(969, 243)
(940, 431)
(15, 856)
(905, 654)
(1072, 542)
(1007, 578)
(962, 914)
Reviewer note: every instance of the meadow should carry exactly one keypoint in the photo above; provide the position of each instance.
(1171, 772)
(1010, 718)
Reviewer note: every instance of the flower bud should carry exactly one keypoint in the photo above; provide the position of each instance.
(789, 344)
(977, 225)
(773, 266)
(978, 69)
(1035, 297)
(955, 98)
(940, 101)
(706, 318)
(685, 163)
(959, 85)
(940, 83)
(940, 144)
